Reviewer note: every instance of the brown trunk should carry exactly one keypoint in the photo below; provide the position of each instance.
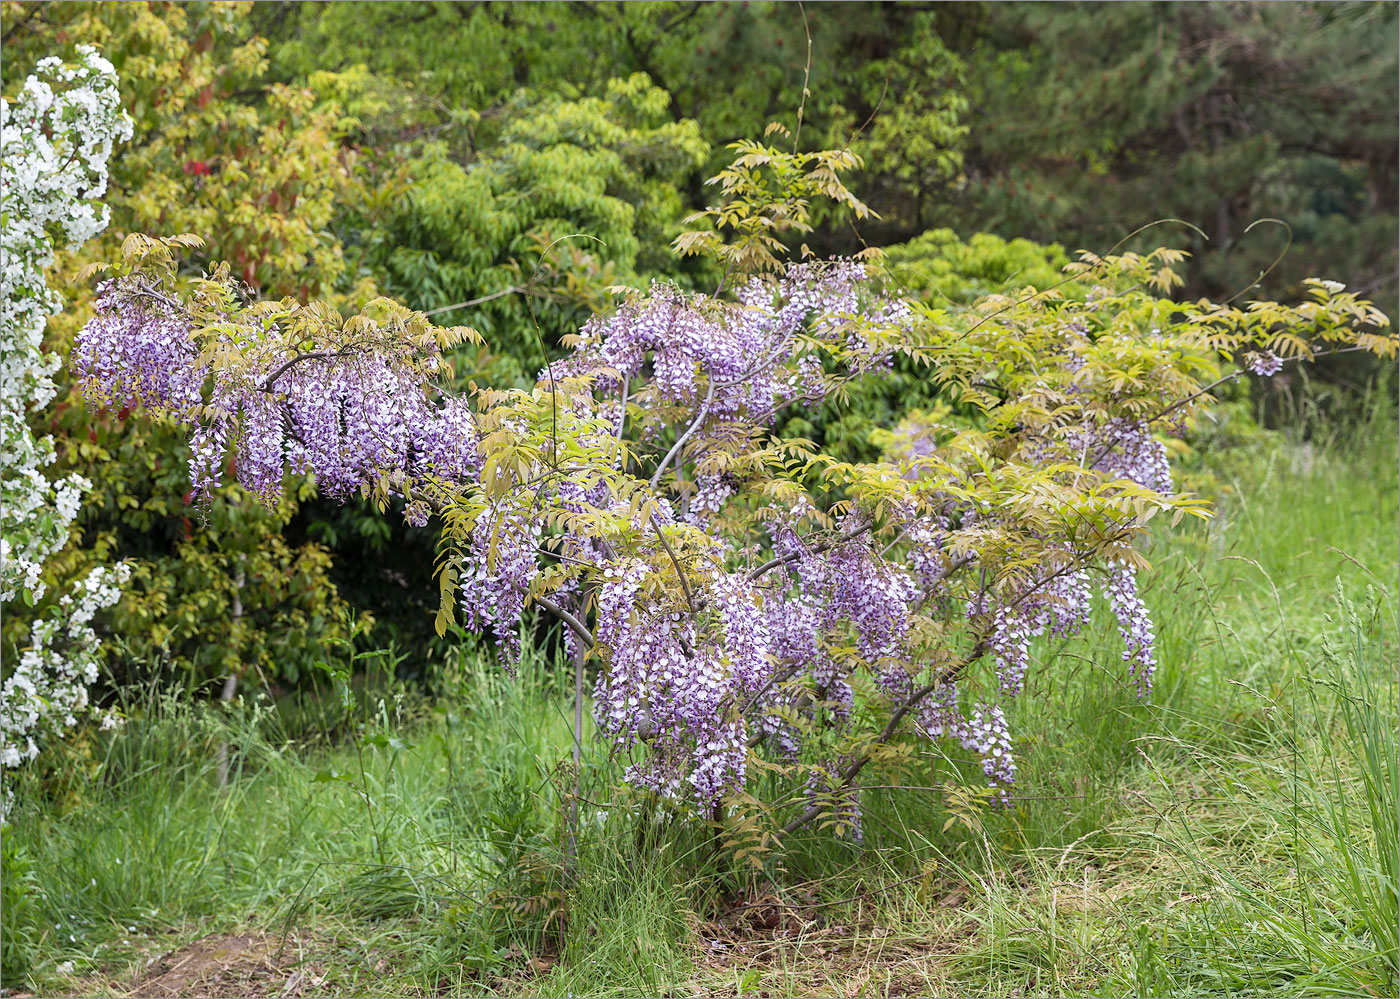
(230, 681)
(571, 851)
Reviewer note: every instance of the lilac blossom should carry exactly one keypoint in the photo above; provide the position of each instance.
(1134, 624)
(346, 416)
(1264, 363)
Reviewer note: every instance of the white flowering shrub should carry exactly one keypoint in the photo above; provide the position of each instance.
(55, 141)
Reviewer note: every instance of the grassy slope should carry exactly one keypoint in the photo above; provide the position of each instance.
(1216, 841)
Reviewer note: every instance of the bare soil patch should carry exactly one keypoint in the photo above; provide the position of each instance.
(762, 947)
(244, 964)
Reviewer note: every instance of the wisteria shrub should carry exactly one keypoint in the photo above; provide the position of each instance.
(741, 599)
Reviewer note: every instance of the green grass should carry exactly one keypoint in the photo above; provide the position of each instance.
(1236, 836)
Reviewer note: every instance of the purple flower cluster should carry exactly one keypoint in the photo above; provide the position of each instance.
(1057, 604)
(824, 600)
(1134, 624)
(1140, 457)
(1133, 453)
(984, 732)
(676, 683)
(346, 415)
(711, 493)
(138, 348)
(499, 568)
(850, 583)
(677, 687)
(796, 631)
(746, 639)
(1264, 363)
(1011, 645)
(720, 363)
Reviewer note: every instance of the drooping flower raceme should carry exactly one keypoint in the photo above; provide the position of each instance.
(349, 410)
(54, 145)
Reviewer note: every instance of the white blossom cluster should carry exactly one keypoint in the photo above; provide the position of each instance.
(49, 684)
(55, 141)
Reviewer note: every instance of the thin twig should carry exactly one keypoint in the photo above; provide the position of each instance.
(1173, 407)
(580, 655)
(806, 78)
(165, 300)
(816, 549)
(477, 301)
(321, 355)
(680, 573)
(849, 774)
(579, 628)
(680, 441)
(622, 419)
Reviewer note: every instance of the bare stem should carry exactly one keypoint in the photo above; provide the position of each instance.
(689, 432)
(478, 301)
(579, 628)
(323, 355)
(680, 573)
(858, 764)
(816, 549)
(580, 655)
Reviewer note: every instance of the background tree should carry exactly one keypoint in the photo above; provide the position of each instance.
(1222, 114)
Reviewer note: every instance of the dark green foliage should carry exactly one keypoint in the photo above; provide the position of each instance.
(1067, 122)
(1092, 119)
(575, 195)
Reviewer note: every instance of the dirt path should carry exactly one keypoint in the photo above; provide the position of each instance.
(226, 965)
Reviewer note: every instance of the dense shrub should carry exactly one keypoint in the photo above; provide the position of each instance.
(748, 601)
